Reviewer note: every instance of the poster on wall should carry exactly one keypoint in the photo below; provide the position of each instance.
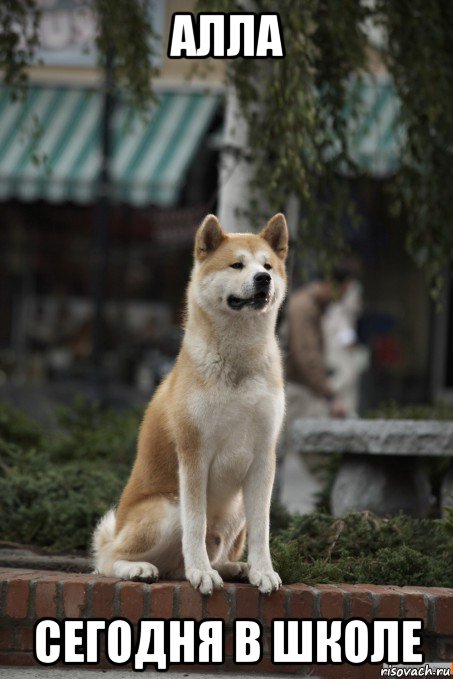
(68, 31)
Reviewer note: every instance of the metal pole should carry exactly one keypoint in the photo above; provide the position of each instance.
(102, 218)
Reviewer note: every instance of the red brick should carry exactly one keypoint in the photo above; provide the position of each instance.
(360, 601)
(85, 578)
(361, 605)
(103, 598)
(388, 606)
(17, 659)
(415, 606)
(388, 602)
(6, 637)
(7, 572)
(17, 596)
(301, 602)
(218, 605)
(331, 602)
(74, 599)
(24, 639)
(132, 601)
(46, 599)
(161, 605)
(433, 591)
(189, 602)
(52, 576)
(394, 588)
(273, 605)
(247, 602)
(444, 614)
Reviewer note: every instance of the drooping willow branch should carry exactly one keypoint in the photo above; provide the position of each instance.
(296, 111)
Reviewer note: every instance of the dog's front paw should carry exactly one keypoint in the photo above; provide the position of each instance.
(204, 580)
(266, 581)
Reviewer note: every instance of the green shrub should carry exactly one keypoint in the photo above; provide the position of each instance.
(92, 433)
(16, 427)
(53, 490)
(54, 506)
(364, 548)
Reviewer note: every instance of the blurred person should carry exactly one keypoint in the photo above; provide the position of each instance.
(309, 391)
(346, 359)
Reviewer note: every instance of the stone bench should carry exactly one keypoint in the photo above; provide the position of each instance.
(380, 469)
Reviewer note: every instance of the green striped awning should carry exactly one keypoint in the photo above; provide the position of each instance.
(50, 145)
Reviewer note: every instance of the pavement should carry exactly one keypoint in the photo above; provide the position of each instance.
(14, 555)
(75, 673)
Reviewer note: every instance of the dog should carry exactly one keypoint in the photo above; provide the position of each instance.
(205, 463)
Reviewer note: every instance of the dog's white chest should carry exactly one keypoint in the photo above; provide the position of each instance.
(225, 413)
(235, 424)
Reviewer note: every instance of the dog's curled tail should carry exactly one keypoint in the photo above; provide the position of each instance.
(103, 537)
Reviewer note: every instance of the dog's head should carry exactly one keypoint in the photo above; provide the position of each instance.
(240, 273)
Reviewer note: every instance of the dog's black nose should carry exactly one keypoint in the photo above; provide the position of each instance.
(262, 279)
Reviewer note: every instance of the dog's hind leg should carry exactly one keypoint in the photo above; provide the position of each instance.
(135, 570)
(232, 568)
(146, 542)
(238, 545)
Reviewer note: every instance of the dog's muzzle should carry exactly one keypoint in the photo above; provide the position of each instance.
(260, 298)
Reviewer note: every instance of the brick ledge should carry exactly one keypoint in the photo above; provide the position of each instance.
(27, 595)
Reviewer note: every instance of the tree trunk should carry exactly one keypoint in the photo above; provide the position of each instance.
(236, 169)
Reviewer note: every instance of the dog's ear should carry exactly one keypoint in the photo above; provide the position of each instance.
(209, 236)
(276, 234)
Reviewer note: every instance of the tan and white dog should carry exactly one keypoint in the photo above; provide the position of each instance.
(206, 451)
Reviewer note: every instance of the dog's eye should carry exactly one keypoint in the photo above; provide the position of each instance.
(237, 265)
(268, 267)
